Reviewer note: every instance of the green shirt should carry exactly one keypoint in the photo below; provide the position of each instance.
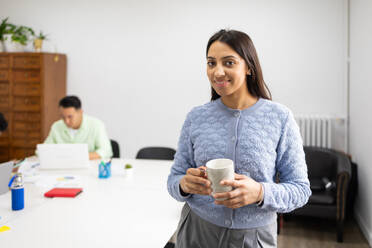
(92, 132)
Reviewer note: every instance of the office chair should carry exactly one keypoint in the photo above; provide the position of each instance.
(162, 153)
(115, 149)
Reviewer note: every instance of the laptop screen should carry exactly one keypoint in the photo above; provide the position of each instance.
(5, 175)
(63, 156)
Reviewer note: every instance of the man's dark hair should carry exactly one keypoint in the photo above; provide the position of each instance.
(3, 123)
(70, 101)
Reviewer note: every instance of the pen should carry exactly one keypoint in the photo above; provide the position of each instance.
(34, 165)
(15, 165)
(103, 164)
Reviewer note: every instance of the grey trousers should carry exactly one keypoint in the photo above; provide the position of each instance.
(194, 232)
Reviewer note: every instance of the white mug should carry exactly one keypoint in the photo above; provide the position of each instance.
(218, 170)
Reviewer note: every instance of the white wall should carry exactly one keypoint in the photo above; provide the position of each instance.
(140, 65)
(361, 108)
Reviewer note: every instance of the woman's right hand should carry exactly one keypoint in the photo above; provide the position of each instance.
(196, 182)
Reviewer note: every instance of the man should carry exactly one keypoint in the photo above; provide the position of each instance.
(3, 123)
(76, 127)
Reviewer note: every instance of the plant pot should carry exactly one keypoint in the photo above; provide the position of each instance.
(11, 46)
(38, 43)
(1, 46)
(128, 173)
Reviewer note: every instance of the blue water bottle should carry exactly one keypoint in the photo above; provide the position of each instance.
(18, 193)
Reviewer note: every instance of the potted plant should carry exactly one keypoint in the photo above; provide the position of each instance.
(17, 37)
(128, 170)
(38, 41)
(4, 29)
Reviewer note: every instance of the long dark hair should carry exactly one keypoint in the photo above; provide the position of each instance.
(242, 44)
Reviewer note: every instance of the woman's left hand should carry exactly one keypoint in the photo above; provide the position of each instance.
(246, 191)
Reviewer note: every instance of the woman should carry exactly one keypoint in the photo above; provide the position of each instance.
(261, 137)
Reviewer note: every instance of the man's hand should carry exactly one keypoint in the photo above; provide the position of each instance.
(94, 155)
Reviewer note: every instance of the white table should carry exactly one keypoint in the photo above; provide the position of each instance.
(134, 211)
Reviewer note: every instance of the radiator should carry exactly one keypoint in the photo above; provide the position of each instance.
(322, 131)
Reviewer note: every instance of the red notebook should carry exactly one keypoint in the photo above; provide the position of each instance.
(63, 192)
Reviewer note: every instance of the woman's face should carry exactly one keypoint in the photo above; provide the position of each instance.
(226, 70)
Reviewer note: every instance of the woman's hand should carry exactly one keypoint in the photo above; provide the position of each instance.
(246, 191)
(196, 182)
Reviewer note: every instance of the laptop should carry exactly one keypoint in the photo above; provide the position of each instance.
(5, 175)
(63, 156)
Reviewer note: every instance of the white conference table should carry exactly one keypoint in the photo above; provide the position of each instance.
(121, 211)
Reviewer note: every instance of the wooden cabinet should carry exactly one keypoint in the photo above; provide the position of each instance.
(31, 85)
